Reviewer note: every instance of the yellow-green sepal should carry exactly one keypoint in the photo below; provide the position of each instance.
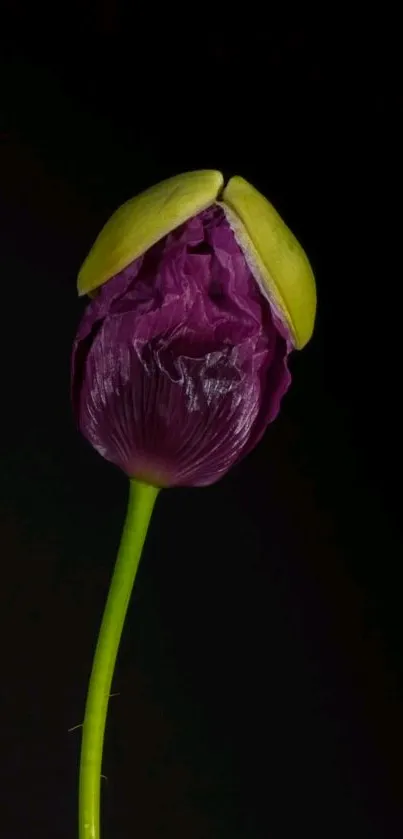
(144, 220)
(281, 261)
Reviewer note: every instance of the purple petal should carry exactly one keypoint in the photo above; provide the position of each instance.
(179, 364)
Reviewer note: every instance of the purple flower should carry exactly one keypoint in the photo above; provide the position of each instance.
(180, 361)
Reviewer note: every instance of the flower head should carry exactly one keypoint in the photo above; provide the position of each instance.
(180, 361)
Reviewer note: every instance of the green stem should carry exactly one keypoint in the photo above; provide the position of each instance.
(142, 498)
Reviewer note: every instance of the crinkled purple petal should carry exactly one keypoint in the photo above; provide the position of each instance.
(179, 363)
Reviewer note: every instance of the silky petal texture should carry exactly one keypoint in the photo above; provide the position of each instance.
(179, 363)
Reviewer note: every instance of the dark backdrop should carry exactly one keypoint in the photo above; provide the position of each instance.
(260, 675)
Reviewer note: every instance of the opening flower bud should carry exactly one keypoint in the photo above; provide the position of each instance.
(180, 361)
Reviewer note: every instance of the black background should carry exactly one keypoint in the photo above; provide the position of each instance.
(260, 674)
